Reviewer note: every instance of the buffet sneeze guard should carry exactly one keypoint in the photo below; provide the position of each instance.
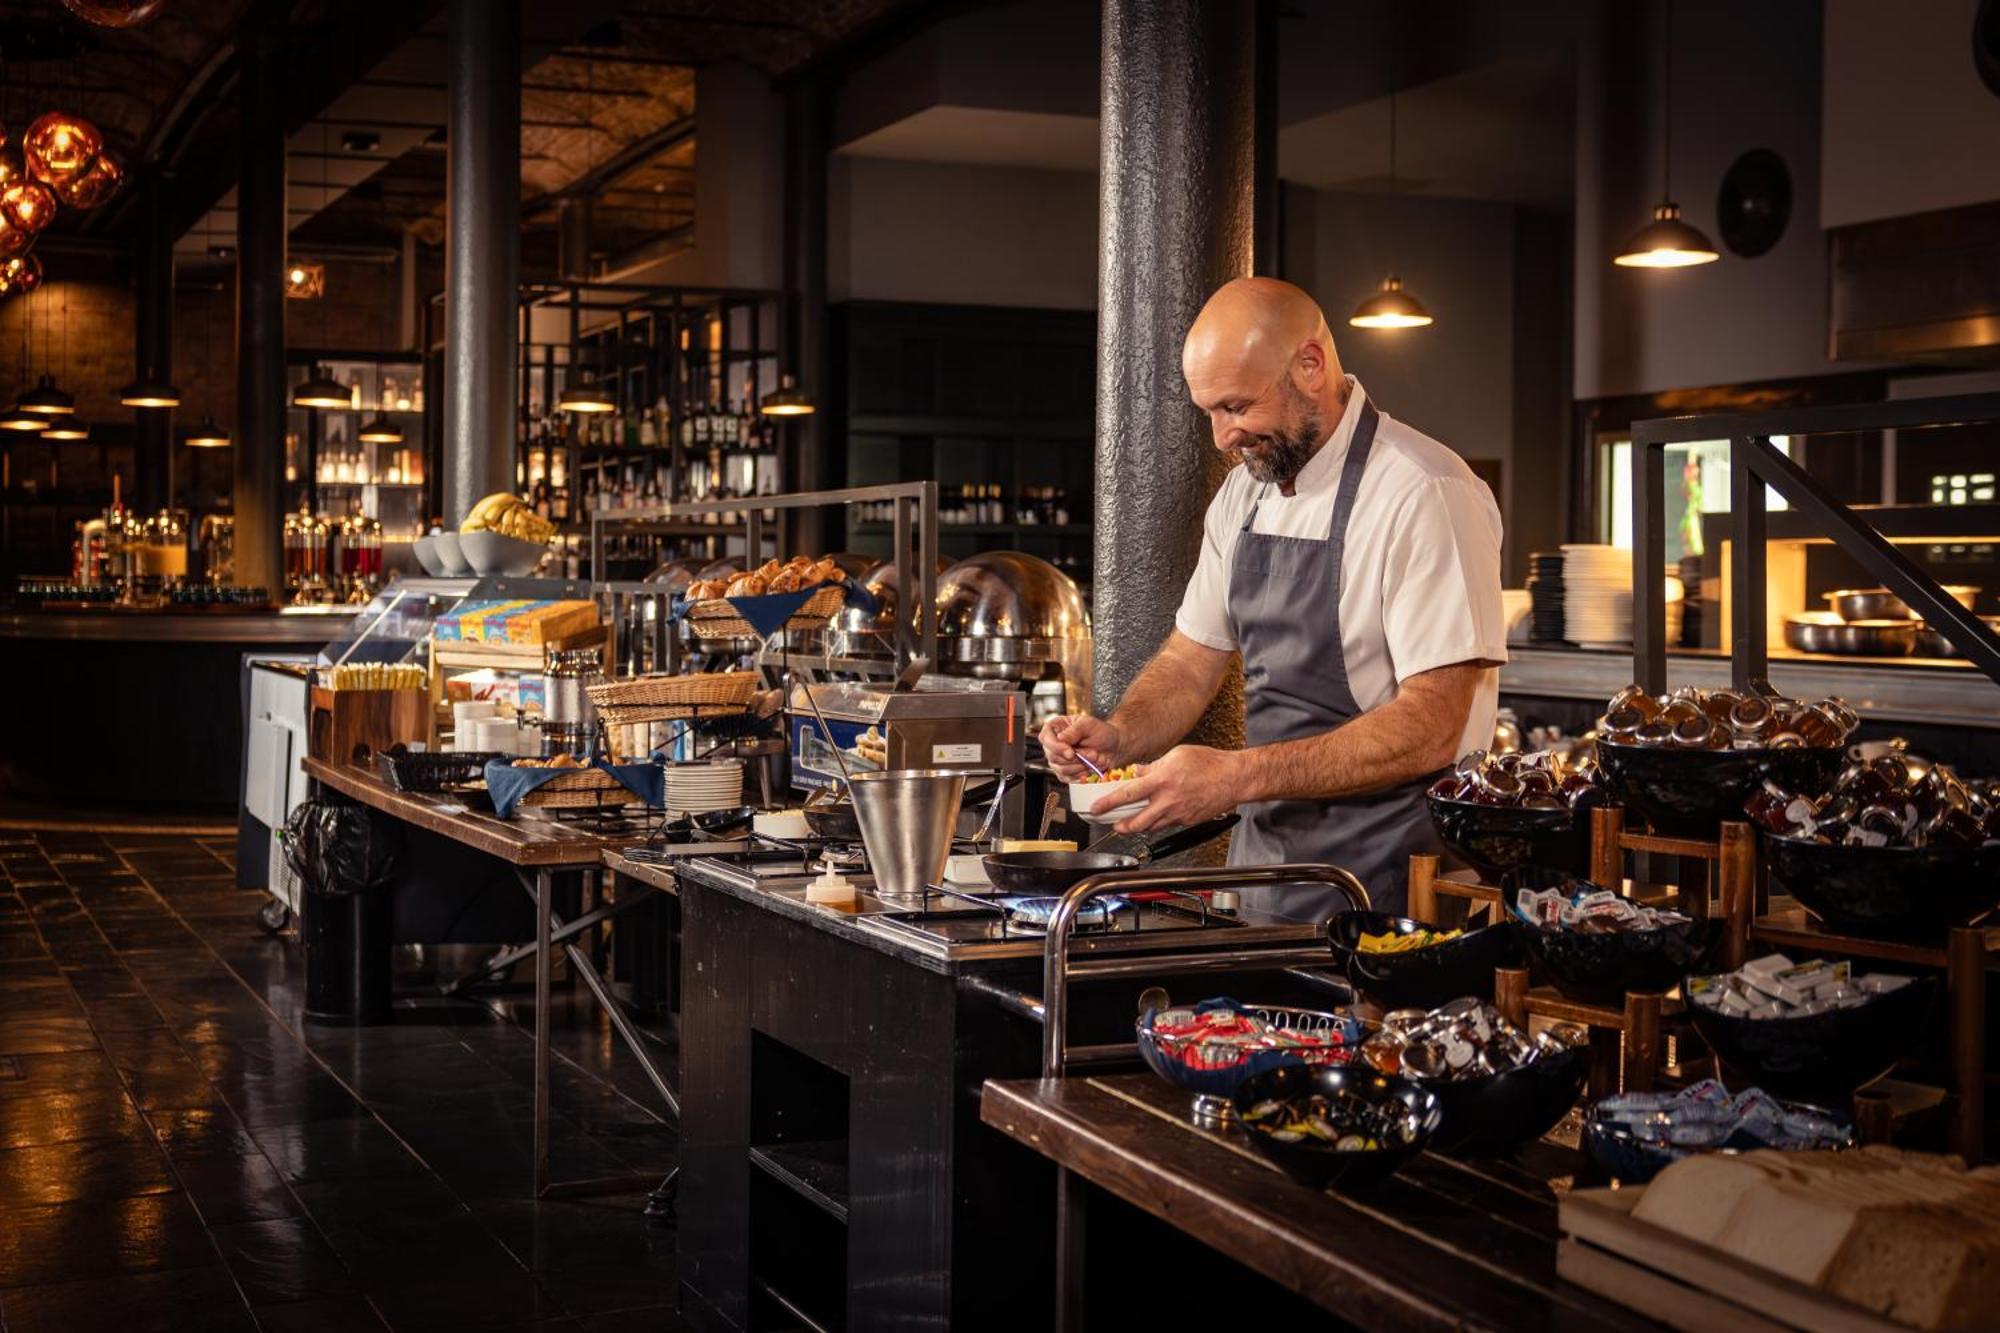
(1755, 463)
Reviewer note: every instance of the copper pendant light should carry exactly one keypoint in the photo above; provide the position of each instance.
(321, 389)
(1667, 241)
(95, 185)
(28, 205)
(22, 273)
(60, 147)
(115, 13)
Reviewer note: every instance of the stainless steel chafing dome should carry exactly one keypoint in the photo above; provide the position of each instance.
(879, 578)
(677, 574)
(1010, 595)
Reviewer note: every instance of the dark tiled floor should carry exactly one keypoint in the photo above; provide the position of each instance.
(180, 1150)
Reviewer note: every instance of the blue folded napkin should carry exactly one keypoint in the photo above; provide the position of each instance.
(506, 784)
(771, 612)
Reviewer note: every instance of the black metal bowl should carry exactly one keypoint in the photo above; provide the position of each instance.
(1602, 968)
(1422, 978)
(1538, 848)
(1321, 1164)
(1497, 1112)
(1634, 1161)
(1688, 793)
(1904, 892)
(1826, 1055)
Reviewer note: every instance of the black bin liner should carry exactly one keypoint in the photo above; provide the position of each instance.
(344, 856)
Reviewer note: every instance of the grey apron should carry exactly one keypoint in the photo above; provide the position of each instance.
(1284, 598)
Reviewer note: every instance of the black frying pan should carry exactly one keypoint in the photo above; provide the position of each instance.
(1056, 872)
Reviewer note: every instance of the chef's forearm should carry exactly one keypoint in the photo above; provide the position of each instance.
(1166, 699)
(1411, 736)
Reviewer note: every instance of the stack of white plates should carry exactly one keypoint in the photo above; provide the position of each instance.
(1597, 595)
(694, 789)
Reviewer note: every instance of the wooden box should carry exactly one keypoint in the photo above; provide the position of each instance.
(350, 726)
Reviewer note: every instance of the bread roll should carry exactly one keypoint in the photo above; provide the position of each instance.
(748, 585)
(785, 580)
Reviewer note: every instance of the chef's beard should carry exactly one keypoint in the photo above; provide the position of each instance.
(1285, 454)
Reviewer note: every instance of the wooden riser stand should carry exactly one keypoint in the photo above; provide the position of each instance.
(1628, 1040)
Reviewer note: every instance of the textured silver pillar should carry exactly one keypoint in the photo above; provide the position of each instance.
(482, 250)
(1175, 222)
(258, 465)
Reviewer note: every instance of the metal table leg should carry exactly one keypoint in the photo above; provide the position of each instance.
(546, 928)
(1070, 1208)
(544, 963)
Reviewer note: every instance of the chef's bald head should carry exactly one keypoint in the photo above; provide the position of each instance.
(1260, 362)
(1256, 325)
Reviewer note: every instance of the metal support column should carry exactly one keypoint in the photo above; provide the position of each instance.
(259, 462)
(482, 250)
(1178, 164)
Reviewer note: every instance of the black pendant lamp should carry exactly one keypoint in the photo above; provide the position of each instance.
(587, 397)
(46, 400)
(1391, 307)
(150, 391)
(1667, 241)
(17, 420)
(66, 426)
(380, 430)
(320, 389)
(207, 435)
(787, 400)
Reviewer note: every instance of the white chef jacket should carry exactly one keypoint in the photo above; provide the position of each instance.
(1420, 586)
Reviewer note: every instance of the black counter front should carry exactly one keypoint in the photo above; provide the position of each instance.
(135, 708)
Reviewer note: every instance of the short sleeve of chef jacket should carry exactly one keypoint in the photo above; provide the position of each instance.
(1421, 587)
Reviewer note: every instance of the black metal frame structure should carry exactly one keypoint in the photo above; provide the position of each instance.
(1755, 463)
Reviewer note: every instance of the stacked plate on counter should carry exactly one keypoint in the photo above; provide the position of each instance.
(1597, 595)
(1545, 597)
(694, 789)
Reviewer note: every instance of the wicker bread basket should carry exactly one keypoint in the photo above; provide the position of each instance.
(580, 787)
(715, 618)
(638, 699)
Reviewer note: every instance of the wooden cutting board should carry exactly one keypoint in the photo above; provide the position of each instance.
(1685, 1283)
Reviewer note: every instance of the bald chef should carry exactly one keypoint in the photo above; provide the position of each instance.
(1354, 564)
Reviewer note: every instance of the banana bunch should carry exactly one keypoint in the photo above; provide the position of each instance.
(510, 516)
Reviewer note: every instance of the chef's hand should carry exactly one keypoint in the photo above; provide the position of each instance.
(1190, 783)
(1062, 737)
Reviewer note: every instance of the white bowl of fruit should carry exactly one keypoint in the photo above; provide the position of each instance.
(1100, 800)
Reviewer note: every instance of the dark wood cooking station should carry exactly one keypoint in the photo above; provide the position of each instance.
(1445, 1243)
(834, 1170)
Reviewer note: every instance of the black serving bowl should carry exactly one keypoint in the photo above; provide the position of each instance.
(1538, 848)
(1825, 1055)
(1689, 793)
(1902, 892)
(1602, 968)
(1212, 1088)
(1320, 1164)
(1421, 978)
(1497, 1112)
(1634, 1161)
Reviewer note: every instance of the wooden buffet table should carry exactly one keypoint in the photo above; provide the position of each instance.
(539, 851)
(1444, 1244)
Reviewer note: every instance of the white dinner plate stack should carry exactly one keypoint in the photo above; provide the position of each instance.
(1597, 595)
(694, 789)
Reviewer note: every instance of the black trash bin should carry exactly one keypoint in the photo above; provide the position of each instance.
(344, 856)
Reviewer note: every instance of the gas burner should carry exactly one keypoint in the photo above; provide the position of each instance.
(842, 857)
(1030, 916)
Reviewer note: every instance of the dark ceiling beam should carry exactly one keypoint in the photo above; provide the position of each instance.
(635, 154)
(714, 20)
(426, 85)
(884, 33)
